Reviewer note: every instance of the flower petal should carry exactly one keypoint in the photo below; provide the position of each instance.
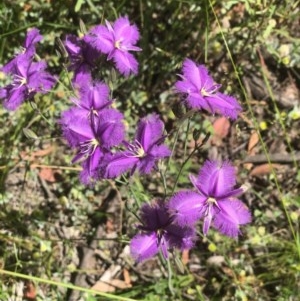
(191, 73)
(224, 104)
(15, 97)
(150, 129)
(182, 238)
(186, 207)
(125, 62)
(33, 36)
(154, 216)
(100, 38)
(111, 130)
(126, 32)
(117, 165)
(232, 214)
(216, 178)
(144, 246)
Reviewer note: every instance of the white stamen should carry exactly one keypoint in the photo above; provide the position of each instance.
(136, 149)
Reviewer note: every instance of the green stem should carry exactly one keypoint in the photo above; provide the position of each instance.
(196, 148)
(182, 166)
(170, 274)
(186, 137)
(162, 174)
(65, 285)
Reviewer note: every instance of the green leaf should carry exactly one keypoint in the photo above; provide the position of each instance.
(30, 133)
(78, 5)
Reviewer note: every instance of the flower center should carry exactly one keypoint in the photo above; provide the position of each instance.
(118, 44)
(204, 93)
(19, 81)
(211, 202)
(89, 147)
(136, 150)
(208, 91)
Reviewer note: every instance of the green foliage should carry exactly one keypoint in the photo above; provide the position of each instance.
(264, 264)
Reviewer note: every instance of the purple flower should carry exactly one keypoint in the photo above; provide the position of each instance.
(202, 92)
(93, 140)
(159, 234)
(33, 36)
(215, 200)
(28, 78)
(143, 152)
(93, 97)
(82, 56)
(117, 40)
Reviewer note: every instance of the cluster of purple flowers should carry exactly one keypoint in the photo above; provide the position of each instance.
(172, 224)
(115, 40)
(95, 129)
(28, 76)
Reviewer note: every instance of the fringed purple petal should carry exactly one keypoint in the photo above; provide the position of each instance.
(40, 80)
(216, 178)
(81, 76)
(224, 104)
(33, 36)
(125, 62)
(93, 96)
(182, 238)
(76, 128)
(146, 164)
(144, 246)
(123, 30)
(154, 216)
(191, 73)
(196, 101)
(90, 167)
(232, 213)
(160, 151)
(100, 38)
(117, 165)
(186, 207)
(15, 97)
(73, 45)
(184, 86)
(4, 92)
(111, 129)
(150, 129)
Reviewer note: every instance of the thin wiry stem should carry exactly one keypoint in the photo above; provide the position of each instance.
(65, 285)
(170, 274)
(196, 148)
(186, 137)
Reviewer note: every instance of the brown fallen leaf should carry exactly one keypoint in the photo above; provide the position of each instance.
(111, 286)
(110, 226)
(254, 139)
(126, 276)
(31, 156)
(47, 174)
(30, 291)
(185, 257)
(221, 127)
(263, 169)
